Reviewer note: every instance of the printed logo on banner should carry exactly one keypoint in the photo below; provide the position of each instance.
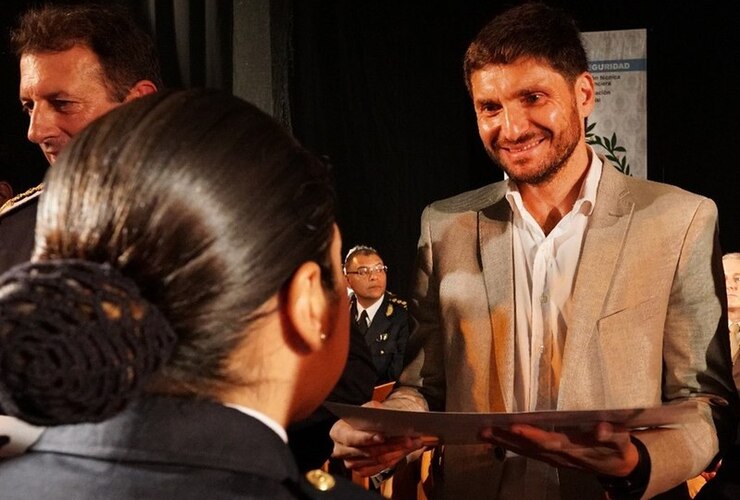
(617, 128)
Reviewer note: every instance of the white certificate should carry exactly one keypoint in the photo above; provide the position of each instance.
(464, 427)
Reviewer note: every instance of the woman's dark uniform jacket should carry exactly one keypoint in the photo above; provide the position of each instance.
(165, 448)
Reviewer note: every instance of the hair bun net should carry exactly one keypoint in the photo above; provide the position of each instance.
(77, 341)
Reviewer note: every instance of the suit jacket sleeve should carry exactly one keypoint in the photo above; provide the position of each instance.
(422, 382)
(696, 357)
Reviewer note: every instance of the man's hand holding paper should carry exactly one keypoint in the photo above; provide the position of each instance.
(606, 450)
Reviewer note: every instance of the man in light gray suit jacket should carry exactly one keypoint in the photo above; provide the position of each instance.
(570, 286)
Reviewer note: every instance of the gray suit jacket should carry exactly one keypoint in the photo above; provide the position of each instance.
(649, 327)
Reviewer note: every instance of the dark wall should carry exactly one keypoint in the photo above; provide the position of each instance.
(378, 87)
(21, 163)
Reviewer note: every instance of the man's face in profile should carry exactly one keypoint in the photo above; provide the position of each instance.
(62, 92)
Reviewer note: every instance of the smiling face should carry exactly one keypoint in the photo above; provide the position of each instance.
(62, 92)
(530, 118)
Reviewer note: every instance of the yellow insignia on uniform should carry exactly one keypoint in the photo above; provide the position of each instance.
(322, 481)
(389, 311)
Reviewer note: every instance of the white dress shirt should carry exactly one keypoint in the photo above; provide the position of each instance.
(544, 272)
(269, 422)
(370, 310)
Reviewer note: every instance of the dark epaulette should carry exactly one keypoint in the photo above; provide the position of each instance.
(392, 299)
(21, 199)
(396, 300)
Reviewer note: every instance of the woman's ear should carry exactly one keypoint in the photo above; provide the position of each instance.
(306, 304)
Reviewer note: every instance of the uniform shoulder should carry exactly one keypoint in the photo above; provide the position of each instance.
(394, 299)
(397, 309)
(21, 200)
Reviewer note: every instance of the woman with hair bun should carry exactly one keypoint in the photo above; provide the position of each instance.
(184, 304)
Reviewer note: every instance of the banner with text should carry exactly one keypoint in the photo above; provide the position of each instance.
(617, 128)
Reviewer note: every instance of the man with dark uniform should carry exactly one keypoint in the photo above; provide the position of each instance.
(17, 220)
(379, 315)
(72, 71)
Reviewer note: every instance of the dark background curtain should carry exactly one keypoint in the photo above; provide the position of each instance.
(377, 87)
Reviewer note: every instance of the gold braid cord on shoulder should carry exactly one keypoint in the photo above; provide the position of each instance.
(20, 197)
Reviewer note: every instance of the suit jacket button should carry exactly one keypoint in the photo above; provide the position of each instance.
(499, 453)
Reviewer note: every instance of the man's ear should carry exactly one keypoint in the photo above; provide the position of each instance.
(306, 304)
(585, 93)
(140, 89)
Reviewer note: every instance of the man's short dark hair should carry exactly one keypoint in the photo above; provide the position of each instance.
(359, 250)
(126, 51)
(529, 30)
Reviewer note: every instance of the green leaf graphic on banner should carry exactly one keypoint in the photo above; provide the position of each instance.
(610, 147)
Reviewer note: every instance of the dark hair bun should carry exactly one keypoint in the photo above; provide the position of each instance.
(77, 341)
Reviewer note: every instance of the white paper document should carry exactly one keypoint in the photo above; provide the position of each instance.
(464, 427)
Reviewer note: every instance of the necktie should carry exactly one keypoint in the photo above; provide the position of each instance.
(734, 344)
(362, 322)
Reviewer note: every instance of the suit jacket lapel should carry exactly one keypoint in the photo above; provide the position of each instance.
(495, 244)
(601, 251)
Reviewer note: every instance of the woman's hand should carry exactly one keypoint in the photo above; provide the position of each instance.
(369, 453)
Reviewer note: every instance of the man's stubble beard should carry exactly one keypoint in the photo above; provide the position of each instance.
(563, 150)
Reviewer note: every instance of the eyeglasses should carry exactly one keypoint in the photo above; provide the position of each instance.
(367, 271)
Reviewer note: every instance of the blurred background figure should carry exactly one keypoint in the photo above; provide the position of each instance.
(731, 265)
(380, 317)
(724, 479)
(185, 302)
